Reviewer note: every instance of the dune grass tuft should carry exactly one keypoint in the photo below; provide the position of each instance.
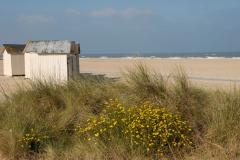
(39, 121)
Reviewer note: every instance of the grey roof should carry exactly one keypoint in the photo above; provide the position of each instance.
(14, 48)
(52, 47)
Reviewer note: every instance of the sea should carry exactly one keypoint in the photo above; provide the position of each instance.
(203, 55)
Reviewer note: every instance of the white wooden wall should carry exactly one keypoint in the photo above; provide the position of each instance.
(7, 64)
(46, 67)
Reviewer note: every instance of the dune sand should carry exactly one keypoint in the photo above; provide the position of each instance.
(214, 73)
(204, 72)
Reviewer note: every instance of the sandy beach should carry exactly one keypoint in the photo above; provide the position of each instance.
(214, 73)
(206, 72)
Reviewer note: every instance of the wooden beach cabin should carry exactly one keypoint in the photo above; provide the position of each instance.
(51, 60)
(13, 59)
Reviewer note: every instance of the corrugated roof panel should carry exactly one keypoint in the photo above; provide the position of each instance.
(51, 47)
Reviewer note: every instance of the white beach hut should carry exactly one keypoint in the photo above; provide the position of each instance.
(51, 60)
(13, 59)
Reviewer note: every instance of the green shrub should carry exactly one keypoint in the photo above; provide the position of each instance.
(147, 126)
(32, 142)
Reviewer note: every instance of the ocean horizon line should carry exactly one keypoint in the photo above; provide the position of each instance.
(208, 55)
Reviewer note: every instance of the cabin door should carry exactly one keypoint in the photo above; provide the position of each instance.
(70, 66)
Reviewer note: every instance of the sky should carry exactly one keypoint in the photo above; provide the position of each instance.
(125, 26)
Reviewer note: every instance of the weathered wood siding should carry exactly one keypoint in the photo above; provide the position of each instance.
(73, 65)
(46, 67)
(76, 69)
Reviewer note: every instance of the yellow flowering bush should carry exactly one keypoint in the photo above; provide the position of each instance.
(32, 141)
(109, 123)
(148, 126)
(156, 129)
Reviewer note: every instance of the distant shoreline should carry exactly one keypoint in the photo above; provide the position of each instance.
(193, 55)
(152, 57)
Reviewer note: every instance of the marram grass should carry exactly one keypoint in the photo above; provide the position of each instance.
(153, 117)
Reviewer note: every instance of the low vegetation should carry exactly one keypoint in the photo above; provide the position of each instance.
(149, 127)
(143, 116)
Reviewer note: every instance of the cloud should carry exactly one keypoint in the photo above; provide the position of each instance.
(35, 19)
(111, 12)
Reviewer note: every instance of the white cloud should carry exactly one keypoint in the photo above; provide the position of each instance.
(34, 19)
(111, 12)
